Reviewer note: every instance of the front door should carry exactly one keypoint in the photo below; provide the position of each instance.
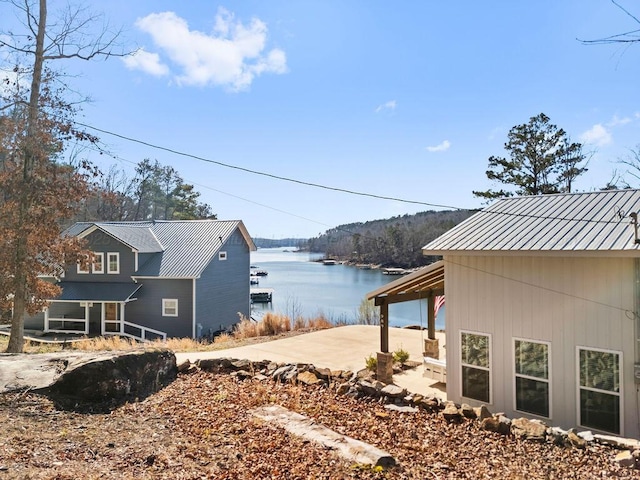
(111, 320)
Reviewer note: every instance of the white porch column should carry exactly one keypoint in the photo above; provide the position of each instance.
(102, 319)
(46, 319)
(86, 318)
(122, 317)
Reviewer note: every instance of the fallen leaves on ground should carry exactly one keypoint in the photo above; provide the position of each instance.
(200, 427)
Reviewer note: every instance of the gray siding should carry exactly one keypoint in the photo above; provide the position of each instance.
(99, 241)
(147, 309)
(223, 289)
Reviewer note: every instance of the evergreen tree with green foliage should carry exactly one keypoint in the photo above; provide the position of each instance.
(542, 159)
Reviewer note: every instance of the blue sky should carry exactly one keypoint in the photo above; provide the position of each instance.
(403, 99)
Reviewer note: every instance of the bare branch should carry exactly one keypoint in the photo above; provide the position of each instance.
(632, 36)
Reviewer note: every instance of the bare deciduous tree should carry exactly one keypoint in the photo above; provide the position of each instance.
(41, 124)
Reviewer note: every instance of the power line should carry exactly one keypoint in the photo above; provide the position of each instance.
(326, 187)
(264, 174)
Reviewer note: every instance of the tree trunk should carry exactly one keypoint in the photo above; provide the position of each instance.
(16, 340)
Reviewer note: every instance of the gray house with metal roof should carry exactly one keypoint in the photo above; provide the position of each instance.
(543, 308)
(154, 279)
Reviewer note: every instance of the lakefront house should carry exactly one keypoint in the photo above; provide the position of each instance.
(153, 279)
(543, 302)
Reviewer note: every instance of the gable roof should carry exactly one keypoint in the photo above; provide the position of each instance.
(189, 246)
(586, 223)
(177, 248)
(137, 235)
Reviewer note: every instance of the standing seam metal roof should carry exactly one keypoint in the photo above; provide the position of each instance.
(586, 222)
(178, 248)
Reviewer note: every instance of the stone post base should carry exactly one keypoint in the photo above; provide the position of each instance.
(385, 367)
(432, 348)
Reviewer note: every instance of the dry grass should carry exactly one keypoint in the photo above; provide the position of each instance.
(272, 325)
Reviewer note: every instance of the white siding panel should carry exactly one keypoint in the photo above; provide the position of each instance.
(564, 301)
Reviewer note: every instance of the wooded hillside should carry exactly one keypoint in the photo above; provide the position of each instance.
(396, 241)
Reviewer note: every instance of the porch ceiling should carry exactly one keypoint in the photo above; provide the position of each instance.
(97, 291)
(426, 282)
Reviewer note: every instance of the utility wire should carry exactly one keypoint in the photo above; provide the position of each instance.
(264, 174)
(343, 190)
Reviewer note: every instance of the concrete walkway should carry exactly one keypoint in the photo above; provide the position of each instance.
(339, 348)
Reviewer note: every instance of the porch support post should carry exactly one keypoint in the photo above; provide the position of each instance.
(431, 317)
(431, 343)
(122, 317)
(46, 319)
(384, 360)
(384, 326)
(86, 318)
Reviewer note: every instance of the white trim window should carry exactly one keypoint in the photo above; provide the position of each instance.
(475, 362)
(84, 270)
(169, 307)
(113, 262)
(222, 255)
(599, 389)
(532, 376)
(97, 266)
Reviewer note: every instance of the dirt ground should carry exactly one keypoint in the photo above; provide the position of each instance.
(199, 427)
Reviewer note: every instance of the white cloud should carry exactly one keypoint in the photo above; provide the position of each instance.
(597, 135)
(233, 55)
(615, 121)
(441, 147)
(147, 62)
(390, 105)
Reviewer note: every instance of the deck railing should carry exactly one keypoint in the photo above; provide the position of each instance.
(84, 323)
(144, 332)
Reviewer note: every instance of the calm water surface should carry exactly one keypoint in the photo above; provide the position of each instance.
(308, 288)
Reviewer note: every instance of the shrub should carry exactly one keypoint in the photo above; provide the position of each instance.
(371, 363)
(400, 355)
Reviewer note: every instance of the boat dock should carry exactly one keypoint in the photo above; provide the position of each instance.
(261, 295)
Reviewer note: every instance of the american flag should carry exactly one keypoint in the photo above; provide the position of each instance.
(439, 302)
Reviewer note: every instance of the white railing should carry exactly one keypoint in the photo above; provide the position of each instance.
(83, 321)
(144, 332)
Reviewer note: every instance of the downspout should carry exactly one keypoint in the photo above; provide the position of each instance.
(636, 310)
(193, 294)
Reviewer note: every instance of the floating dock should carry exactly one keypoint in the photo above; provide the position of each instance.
(261, 295)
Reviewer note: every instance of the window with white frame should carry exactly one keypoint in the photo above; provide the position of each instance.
(222, 255)
(113, 262)
(84, 268)
(532, 385)
(599, 389)
(169, 307)
(476, 366)
(98, 262)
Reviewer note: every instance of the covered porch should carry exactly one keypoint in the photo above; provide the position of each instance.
(426, 283)
(95, 308)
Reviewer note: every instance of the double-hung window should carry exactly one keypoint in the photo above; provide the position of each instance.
(475, 351)
(113, 262)
(86, 268)
(98, 263)
(532, 377)
(599, 389)
(169, 307)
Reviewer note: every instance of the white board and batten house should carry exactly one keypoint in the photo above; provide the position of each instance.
(150, 279)
(543, 302)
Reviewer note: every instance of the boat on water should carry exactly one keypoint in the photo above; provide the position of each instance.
(260, 273)
(395, 271)
(254, 280)
(329, 261)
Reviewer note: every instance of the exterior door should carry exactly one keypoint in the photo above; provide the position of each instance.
(111, 320)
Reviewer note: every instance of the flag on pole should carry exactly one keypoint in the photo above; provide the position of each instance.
(437, 304)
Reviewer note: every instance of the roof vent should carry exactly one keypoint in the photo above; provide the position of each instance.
(634, 222)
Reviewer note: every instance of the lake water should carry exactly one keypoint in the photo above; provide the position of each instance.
(308, 288)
